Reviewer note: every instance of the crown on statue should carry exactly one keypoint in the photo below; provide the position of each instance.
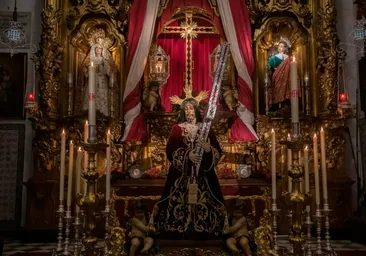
(284, 40)
(99, 39)
(188, 95)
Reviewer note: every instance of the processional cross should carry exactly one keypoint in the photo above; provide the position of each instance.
(189, 30)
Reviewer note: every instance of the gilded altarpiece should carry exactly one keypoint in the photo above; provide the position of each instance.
(309, 25)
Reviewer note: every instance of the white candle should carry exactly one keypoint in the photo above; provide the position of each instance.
(92, 95)
(306, 167)
(316, 170)
(78, 175)
(108, 171)
(69, 183)
(289, 163)
(273, 164)
(62, 168)
(294, 92)
(323, 164)
(69, 78)
(86, 156)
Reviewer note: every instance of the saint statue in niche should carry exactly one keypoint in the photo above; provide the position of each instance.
(279, 65)
(106, 70)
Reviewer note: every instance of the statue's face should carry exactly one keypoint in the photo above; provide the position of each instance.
(237, 213)
(98, 51)
(281, 48)
(189, 112)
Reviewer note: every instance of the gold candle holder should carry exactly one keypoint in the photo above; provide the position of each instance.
(296, 200)
(91, 201)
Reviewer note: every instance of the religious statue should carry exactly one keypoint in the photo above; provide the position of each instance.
(106, 70)
(140, 230)
(151, 97)
(174, 216)
(239, 238)
(280, 66)
(230, 96)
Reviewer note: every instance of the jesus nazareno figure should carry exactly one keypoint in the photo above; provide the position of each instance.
(174, 217)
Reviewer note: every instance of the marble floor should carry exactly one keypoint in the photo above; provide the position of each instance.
(14, 247)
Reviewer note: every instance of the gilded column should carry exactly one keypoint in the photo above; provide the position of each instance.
(326, 67)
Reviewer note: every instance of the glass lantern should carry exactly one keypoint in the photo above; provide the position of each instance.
(214, 61)
(159, 66)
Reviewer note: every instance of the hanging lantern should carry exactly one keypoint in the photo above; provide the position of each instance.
(214, 62)
(159, 66)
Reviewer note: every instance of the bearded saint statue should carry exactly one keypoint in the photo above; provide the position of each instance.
(174, 216)
(106, 71)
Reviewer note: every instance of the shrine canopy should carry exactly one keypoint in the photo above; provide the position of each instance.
(189, 41)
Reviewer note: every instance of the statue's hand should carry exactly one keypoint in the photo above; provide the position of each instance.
(195, 158)
(205, 145)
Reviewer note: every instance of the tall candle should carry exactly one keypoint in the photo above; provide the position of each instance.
(316, 169)
(108, 171)
(91, 94)
(273, 164)
(306, 167)
(86, 156)
(71, 163)
(78, 175)
(323, 164)
(289, 163)
(294, 92)
(62, 167)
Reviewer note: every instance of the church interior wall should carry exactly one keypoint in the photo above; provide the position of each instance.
(346, 14)
(34, 7)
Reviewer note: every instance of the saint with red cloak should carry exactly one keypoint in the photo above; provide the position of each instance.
(174, 217)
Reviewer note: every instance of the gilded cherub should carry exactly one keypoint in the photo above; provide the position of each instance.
(238, 231)
(140, 229)
(263, 235)
(151, 96)
(230, 96)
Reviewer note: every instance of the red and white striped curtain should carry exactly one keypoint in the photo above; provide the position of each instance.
(143, 15)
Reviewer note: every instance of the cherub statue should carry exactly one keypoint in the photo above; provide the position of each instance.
(230, 95)
(140, 229)
(238, 231)
(151, 96)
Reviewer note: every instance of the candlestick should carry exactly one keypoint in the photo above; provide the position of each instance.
(294, 92)
(273, 164)
(71, 162)
(62, 167)
(78, 175)
(86, 156)
(91, 98)
(108, 171)
(323, 164)
(289, 163)
(316, 169)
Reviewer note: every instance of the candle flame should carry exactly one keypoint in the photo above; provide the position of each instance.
(79, 149)
(109, 131)
(306, 148)
(293, 59)
(321, 129)
(71, 142)
(92, 64)
(314, 135)
(272, 131)
(86, 122)
(63, 131)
